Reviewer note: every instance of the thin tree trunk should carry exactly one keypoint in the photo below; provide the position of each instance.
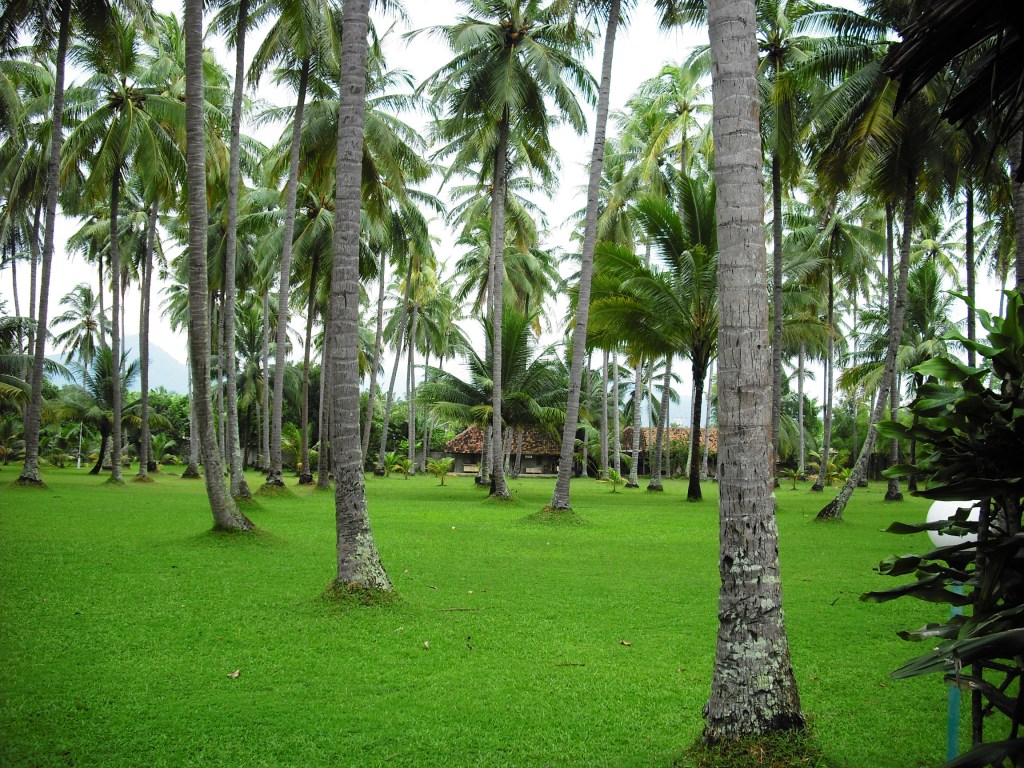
(147, 281)
(776, 311)
(265, 394)
(226, 515)
(274, 475)
(707, 425)
(218, 322)
(427, 425)
(693, 492)
(99, 457)
(835, 509)
(1016, 151)
(616, 426)
(323, 428)
(239, 486)
(306, 476)
(33, 276)
(826, 443)
(33, 414)
(801, 467)
(410, 394)
(603, 471)
(666, 393)
(969, 263)
(892, 492)
(14, 288)
(499, 489)
(560, 496)
(394, 371)
(378, 347)
(638, 399)
(192, 468)
(116, 328)
(753, 690)
(359, 564)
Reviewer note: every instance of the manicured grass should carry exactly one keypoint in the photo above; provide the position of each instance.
(122, 618)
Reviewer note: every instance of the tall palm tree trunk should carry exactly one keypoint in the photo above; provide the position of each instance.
(776, 310)
(14, 287)
(265, 394)
(145, 444)
(801, 466)
(835, 509)
(226, 515)
(969, 264)
(499, 489)
(603, 471)
(191, 471)
(33, 275)
(274, 475)
(753, 690)
(404, 313)
(359, 564)
(638, 399)
(892, 492)
(33, 414)
(560, 497)
(115, 323)
(616, 426)
(707, 425)
(693, 492)
(306, 476)
(666, 395)
(378, 347)
(410, 396)
(239, 486)
(323, 428)
(826, 442)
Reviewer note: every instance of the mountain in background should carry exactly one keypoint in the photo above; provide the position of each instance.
(164, 370)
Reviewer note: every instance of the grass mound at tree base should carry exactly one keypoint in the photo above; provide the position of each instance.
(789, 749)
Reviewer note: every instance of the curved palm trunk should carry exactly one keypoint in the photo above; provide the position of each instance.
(560, 497)
(226, 515)
(776, 310)
(638, 399)
(306, 476)
(359, 564)
(104, 437)
(145, 443)
(835, 509)
(666, 394)
(239, 487)
(616, 426)
(33, 415)
(410, 394)
(753, 690)
(378, 346)
(115, 323)
(499, 489)
(274, 475)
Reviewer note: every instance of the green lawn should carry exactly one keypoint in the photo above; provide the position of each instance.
(122, 617)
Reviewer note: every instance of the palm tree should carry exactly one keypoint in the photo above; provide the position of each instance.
(226, 515)
(51, 21)
(752, 643)
(359, 564)
(83, 338)
(671, 310)
(296, 40)
(511, 59)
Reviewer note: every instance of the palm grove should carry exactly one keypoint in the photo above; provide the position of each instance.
(876, 208)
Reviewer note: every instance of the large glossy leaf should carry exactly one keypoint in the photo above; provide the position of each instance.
(1001, 645)
(984, 755)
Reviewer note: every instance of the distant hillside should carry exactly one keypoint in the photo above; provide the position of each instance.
(164, 370)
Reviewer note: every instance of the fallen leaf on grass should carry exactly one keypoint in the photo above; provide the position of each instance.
(625, 642)
(426, 645)
(234, 675)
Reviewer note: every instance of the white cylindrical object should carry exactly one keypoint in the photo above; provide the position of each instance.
(944, 510)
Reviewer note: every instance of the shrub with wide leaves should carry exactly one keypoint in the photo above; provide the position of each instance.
(970, 426)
